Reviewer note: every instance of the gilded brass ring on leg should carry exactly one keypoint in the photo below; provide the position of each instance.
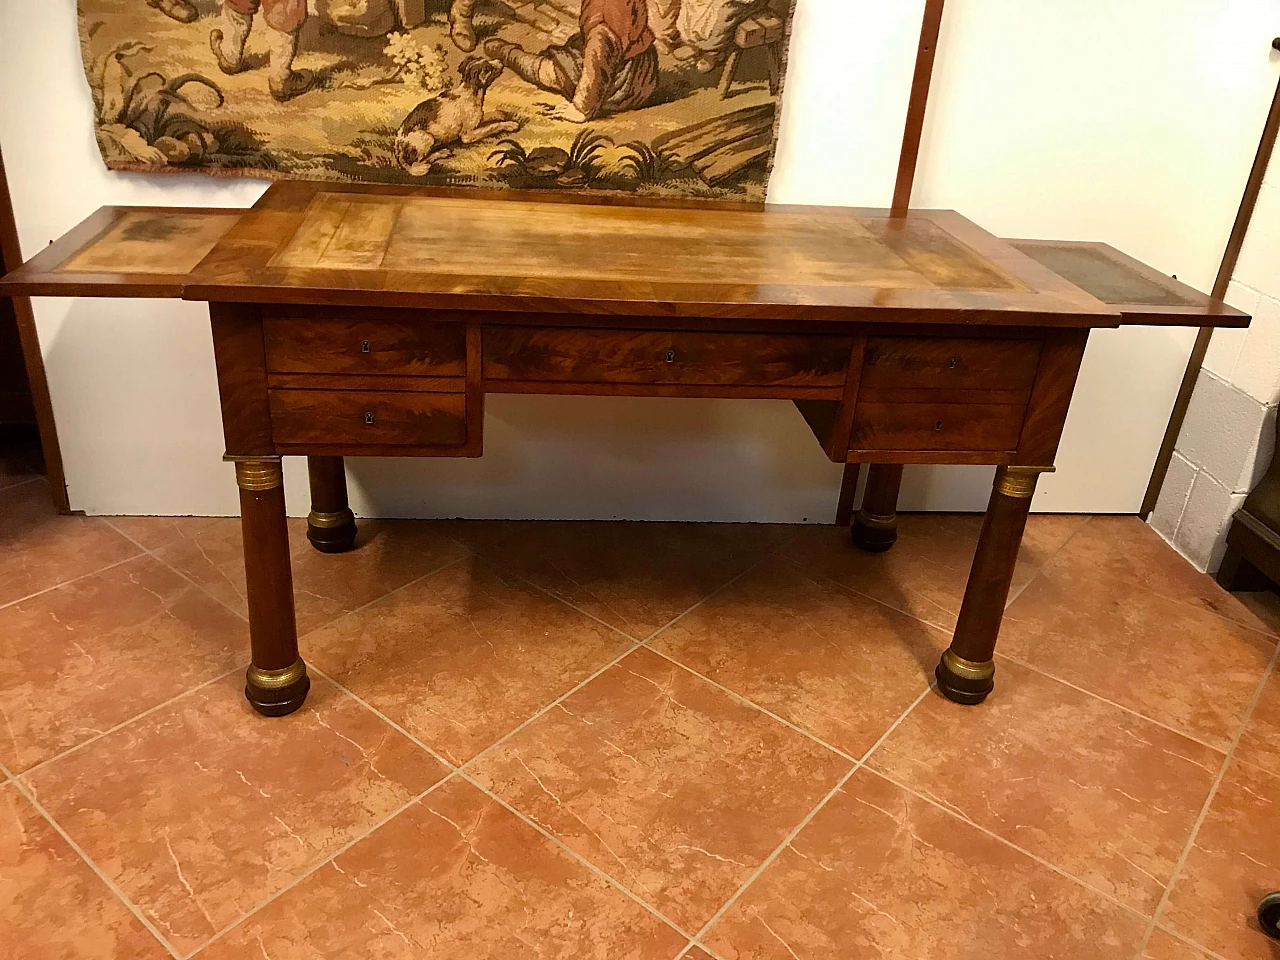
(328, 519)
(1019, 482)
(877, 521)
(263, 474)
(968, 669)
(276, 679)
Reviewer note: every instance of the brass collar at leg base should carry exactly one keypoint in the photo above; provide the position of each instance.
(965, 681)
(274, 693)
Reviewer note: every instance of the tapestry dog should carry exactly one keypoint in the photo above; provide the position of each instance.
(453, 117)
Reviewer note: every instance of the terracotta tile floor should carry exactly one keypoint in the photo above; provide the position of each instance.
(616, 741)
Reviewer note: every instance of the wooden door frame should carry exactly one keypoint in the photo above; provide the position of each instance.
(11, 259)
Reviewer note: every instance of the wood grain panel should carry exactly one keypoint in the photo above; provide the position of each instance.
(398, 347)
(368, 417)
(936, 426)
(662, 357)
(929, 363)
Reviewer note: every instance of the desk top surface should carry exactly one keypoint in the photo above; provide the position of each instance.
(311, 243)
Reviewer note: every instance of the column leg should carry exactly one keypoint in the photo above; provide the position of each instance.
(331, 526)
(875, 528)
(967, 670)
(276, 682)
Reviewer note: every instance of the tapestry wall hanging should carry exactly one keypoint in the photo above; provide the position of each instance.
(660, 97)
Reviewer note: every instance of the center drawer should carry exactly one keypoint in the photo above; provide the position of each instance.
(340, 417)
(396, 347)
(564, 354)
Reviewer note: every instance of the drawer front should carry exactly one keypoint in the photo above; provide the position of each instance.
(328, 417)
(894, 365)
(644, 356)
(365, 346)
(936, 426)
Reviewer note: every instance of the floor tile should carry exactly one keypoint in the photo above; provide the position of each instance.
(1260, 742)
(388, 555)
(668, 784)
(1169, 660)
(40, 549)
(926, 571)
(1165, 946)
(1234, 863)
(52, 906)
(464, 656)
(833, 662)
(1105, 795)
(94, 653)
(203, 809)
(879, 873)
(635, 576)
(697, 953)
(455, 877)
(1121, 553)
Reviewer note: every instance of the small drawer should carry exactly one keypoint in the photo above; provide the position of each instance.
(332, 417)
(895, 366)
(936, 426)
(562, 354)
(396, 347)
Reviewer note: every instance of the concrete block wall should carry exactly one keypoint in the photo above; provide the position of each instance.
(1228, 439)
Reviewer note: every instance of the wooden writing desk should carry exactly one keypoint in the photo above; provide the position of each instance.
(372, 321)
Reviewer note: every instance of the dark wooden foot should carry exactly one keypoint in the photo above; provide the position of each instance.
(966, 673)
(331, 526)
(1237, 573)
(875, 528)
(276, 682)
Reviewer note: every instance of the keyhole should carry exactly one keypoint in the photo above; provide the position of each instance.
(938, 425)
(952, 364)
(364, 346)
(671, 356)
(368, 417)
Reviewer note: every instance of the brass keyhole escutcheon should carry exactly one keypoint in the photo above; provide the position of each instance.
(671, 356)
(952, 364)
(364, 346)
(938, 425)
(368, 417)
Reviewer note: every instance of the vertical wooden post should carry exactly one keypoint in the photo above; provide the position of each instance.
(966, 673)
(911, 137)
(276, 681)
(331, 526)
(1226, 270)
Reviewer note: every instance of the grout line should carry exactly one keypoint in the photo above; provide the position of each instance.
(459, 771)
(1041, 567)
(124, 723)
(963, 818)
(67, 583)
(1119, 706)
(795, 832)
(120, 894)
(747, 701)
(1208, 802)
(21, 483)
(323, 863)
(617, 885)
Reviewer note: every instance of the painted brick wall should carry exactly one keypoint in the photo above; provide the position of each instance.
(1228, 438)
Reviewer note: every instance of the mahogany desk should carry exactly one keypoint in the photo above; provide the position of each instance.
(372, 321)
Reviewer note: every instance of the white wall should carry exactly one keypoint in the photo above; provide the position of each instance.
(1228, 438)
(1133, 123)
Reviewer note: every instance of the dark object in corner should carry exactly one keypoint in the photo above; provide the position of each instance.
(1252, 560)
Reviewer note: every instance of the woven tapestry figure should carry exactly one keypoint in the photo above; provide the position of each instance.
(654, 97)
